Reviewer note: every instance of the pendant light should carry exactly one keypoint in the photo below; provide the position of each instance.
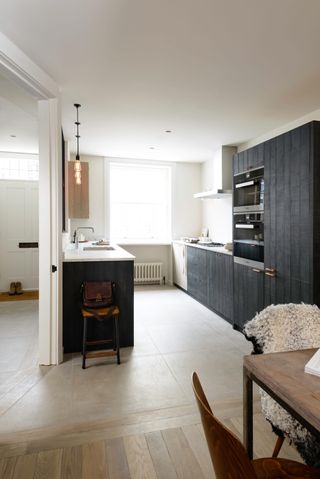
(77, 163)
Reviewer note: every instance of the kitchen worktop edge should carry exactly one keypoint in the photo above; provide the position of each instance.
(215, 249)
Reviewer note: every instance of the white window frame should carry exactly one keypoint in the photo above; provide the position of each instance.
(139, 163)
(19, 156)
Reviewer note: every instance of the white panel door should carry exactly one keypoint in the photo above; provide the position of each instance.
(19, 220)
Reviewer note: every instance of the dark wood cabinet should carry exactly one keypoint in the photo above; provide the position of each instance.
(248, 296)
(291, 224)
(220, 284)
(289, 212)
(210, 279)
(197, 273)
(248, 159)
(74, 274)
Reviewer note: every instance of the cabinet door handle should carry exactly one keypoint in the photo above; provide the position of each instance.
(257, 270)
(270, 272)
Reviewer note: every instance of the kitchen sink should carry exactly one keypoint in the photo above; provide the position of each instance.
(98, 248)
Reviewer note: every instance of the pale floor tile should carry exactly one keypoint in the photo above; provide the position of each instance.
(220, 378)
(174, 335)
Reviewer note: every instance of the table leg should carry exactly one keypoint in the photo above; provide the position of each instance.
(247, 413)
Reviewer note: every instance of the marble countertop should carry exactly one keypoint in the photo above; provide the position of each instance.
(79, 254)
(216, 249)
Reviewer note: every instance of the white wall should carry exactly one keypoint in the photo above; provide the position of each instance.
(314, 115)
(216, 213)
(186, 211)
(153, 253)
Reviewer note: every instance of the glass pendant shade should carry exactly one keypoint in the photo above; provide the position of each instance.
(77, 163)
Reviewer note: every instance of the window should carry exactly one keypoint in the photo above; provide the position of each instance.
(19, 168)
(140, 202)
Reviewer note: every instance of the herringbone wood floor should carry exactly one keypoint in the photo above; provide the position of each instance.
(130, 447)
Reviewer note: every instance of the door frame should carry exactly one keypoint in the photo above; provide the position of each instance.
(18, 67)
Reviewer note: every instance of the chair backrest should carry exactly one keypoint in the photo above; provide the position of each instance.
(229, 458)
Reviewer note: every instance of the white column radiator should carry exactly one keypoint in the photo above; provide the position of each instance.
(148, 273)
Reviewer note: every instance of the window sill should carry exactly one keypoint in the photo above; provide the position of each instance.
(141, 242)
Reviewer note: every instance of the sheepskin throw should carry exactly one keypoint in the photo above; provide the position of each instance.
(287, 327)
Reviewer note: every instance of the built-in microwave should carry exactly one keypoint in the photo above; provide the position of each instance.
(248, 191)
(248, 239)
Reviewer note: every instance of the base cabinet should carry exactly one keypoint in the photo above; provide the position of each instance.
(220, 284)
(197, 273)
(248, 296)
(210, 279)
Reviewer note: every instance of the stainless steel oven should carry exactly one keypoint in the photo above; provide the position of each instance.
(248, 191)
(248, 239)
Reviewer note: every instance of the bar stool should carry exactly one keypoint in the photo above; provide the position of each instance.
(101, 314)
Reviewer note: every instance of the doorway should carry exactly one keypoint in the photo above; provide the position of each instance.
(19, 235)
(22, 71)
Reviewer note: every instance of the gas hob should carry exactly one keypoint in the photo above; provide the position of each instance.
(211, 245)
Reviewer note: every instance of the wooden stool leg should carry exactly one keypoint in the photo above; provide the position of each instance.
(117, 338)
(84, 341)
(278, 446)
(114, 344)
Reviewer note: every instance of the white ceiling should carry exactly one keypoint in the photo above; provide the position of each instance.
(212, 71)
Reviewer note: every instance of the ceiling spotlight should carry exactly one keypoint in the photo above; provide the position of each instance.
(168, 131)
(13, 136)
(151, 147)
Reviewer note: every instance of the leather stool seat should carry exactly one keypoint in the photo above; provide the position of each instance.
(101, 314)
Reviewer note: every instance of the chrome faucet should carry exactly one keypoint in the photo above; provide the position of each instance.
(75, 235)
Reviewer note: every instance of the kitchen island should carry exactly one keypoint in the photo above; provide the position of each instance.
(96, 263)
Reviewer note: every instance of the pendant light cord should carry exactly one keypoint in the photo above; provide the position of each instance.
(77, 164)
(77, 105)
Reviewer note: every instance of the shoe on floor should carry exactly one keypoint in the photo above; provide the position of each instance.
(12, 289)
(18, 288)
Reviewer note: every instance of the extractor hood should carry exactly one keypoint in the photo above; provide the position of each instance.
(213, 194)
(218, 175)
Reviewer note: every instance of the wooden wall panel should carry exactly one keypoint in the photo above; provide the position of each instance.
(78, 194)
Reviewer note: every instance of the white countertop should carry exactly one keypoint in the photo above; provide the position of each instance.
(78, 254)
(216, 249)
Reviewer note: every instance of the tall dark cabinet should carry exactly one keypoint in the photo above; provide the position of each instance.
(291, 224)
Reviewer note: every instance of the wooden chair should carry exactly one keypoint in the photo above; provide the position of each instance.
(229, 458)
(101, 314)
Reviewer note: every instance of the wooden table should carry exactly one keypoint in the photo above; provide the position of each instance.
(282, 376)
